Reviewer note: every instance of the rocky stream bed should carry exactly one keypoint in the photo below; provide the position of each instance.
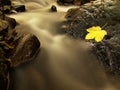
(17, 47)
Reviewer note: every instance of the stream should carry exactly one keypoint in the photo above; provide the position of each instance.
(62, 63)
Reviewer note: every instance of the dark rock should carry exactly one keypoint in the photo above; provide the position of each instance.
(19, 8)
(4, 75)
(3, 28)
(76, 2)
(53, 8)
(6, 9)
(108, 53)
(26, 47)
(7, 21)
(65, 1)
(88, 15)
(5, 2)
(12, 22)
(81, 2)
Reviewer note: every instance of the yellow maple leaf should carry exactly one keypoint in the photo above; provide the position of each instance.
(94, 28)
(96, 33)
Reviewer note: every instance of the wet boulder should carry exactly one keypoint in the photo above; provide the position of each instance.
(81, 2)
(6, 9)
(76, 2)
(53, 8)
(107, 16)
(7, 21)
(26, 47)
(3, 28)
(19, 8)
(5, 2)
(108, 53)
(12, 22)
(65, 1)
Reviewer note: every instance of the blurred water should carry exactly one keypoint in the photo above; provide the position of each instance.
(63, 63)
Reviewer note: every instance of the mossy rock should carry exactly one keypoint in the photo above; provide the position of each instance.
(97, 14)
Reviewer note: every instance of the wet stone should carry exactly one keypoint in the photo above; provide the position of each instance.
(19, 8)
(5, 2)
(65, 2)
(26, 47)
(53, 8)
(4, 75)
(107, 51)
(12, 22)
(3, 27)
(75, 2)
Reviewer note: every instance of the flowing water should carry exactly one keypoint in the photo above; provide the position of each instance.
(62, 63)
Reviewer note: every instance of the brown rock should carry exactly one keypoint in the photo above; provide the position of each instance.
(4, 75)
(5, 2)
(53, 8)
(3, 27)
(19, 8)
(12, 22)
(65, 2)
(26, 47)
(76, 2)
